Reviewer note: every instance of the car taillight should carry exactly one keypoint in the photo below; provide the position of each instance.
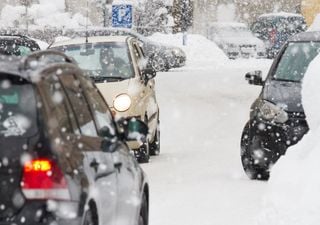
(272, 35)
(43, 179)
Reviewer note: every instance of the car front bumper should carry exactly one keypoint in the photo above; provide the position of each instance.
(272, 139)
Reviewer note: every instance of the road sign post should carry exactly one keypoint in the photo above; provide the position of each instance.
(122, 16)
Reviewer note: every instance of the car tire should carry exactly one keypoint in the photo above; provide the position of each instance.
(144, 211)
(91, 217)
(142, 154)
(249, 142)
(155, 144)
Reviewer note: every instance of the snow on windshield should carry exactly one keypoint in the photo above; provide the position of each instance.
(17, 109)
(103, 59)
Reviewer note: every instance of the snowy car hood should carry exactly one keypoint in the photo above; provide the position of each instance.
(110, 90)
(283, 93)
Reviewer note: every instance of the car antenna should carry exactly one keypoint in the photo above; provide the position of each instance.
(87, 18)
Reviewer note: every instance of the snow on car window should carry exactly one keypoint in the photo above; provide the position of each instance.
(296, 60)
(102, 60)
(17, 109)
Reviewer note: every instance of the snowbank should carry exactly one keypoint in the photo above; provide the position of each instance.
(294, 188)
(201, 52)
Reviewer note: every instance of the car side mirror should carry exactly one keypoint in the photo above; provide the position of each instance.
(148, 74)
(133, 129)
(254, 78)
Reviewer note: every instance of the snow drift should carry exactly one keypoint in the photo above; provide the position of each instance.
(201, 52)
(293, 196)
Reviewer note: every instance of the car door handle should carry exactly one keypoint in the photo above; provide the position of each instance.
(94, 164)
(118, 165)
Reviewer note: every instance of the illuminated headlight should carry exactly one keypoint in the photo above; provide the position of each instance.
(122, 102)
(272, 112)
(176, 51)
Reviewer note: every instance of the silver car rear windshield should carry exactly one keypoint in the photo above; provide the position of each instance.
(295, 61)
(104, 60)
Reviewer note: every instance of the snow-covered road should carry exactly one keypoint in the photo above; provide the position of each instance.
(198, 178)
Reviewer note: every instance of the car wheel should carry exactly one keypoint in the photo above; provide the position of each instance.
(91, 218)
(158, 63)
(143, 153)
(248, 143)
(155, 145)
(144, 212)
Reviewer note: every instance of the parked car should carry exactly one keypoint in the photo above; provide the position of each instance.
(64, 160)
(18, 45)
(277, 120)
(118, 67)
(236, 40)
(276, 28)
(161, 57)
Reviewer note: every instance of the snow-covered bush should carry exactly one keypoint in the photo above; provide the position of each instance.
(47, 13)
(294, 188)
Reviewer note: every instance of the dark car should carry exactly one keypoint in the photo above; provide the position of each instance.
(277, 119)
(276, 28)
(18, 45)
(63, 158)
(161, 57)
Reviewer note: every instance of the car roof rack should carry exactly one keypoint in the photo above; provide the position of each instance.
(5, 34)
(56, 57)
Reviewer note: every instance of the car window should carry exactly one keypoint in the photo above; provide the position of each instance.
(295, 60)
(139, 57)
(99, 108)
(102, 60)
(18, 108)
(79, 105)
(17, 47)
(56, 100)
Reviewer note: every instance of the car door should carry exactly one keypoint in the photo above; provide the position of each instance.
(124, 161)
(61, 128)
(99, 166)
(149, 95)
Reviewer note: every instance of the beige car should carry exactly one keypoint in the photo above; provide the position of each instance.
(119, 69)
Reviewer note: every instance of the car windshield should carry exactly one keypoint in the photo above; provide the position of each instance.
(295, 61)
(11, 47)
(17, 108)
(102, 60)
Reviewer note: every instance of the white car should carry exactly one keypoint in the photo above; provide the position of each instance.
(236, 40)
(119, 69)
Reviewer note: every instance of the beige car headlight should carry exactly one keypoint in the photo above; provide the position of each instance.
(122, 102)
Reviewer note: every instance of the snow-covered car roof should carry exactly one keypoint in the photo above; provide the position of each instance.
(95, 39)
(280, 14)
(306, 36)
(229, 24)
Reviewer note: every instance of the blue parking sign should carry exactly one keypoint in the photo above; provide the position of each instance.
(122, 16)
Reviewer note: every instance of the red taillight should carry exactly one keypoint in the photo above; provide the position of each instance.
(273, 35)
(43, 179)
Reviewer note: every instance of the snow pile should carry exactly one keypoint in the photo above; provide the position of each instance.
(315, 26)
(47, 13)
(294, 188)
(201, 53)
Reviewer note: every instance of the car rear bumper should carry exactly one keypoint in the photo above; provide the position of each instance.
(42, 213)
